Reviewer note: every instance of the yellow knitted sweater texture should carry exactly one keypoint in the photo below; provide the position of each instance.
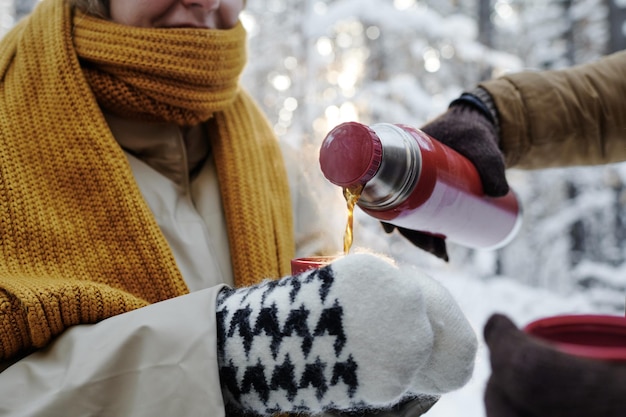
(78, 244)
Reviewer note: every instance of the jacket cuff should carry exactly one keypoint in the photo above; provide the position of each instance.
(480, 100)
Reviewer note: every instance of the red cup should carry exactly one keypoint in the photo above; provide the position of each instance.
(591, 336)
(299, 265)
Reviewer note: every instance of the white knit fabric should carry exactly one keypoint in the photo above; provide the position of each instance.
(359, 334)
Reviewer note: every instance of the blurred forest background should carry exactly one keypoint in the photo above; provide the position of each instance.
(316, 63)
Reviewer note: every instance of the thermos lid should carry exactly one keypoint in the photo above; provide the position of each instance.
(350, 154)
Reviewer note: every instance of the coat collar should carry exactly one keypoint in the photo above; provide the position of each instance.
(175, 152)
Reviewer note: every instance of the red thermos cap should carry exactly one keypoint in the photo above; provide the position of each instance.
(350, 154)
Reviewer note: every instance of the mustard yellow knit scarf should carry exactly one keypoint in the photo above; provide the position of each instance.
(178, 75)
(77, 242)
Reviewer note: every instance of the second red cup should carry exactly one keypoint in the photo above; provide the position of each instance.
(591, 336)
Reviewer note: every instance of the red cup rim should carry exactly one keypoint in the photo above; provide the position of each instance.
(585, 324)
(299, 265)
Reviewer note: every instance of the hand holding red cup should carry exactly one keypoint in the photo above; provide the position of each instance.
(563, 366)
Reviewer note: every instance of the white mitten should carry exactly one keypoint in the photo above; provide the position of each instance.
(359, 334)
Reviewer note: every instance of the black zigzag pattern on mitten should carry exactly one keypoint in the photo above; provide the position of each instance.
(243, 320)
(330, 322)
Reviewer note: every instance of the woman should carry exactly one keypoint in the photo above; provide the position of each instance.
(130, 158)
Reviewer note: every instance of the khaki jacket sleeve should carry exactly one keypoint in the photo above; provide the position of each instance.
(575, 116)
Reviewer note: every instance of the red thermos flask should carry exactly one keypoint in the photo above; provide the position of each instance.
(415, 182)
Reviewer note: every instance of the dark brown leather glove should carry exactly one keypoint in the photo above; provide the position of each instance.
(531, 379)
(469, 128)
(469, 131)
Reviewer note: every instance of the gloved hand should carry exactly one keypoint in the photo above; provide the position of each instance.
(357, 335)
(425, 241)
(530, 378)
(469, 131)
(468, 128)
